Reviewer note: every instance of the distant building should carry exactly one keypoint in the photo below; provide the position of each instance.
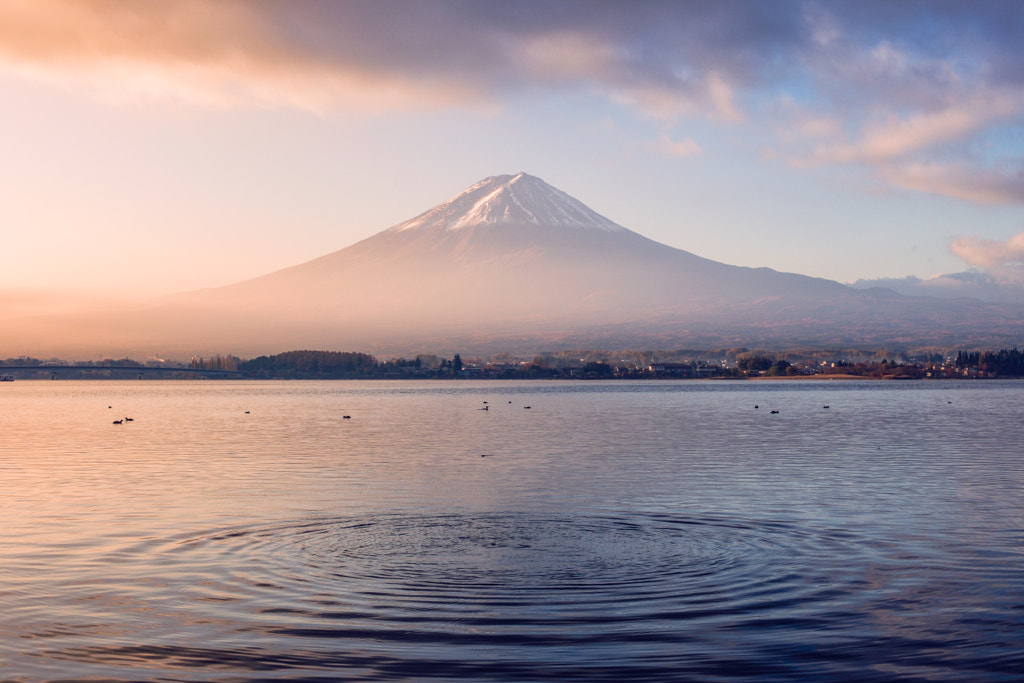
(671, 369)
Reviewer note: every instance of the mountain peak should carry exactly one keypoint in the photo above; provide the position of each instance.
(520, 199)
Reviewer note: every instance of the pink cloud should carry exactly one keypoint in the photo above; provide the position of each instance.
(979, 185)
(893, 137)
(986, 253)
(670, 147)
(323, 55)
(217, 54)
(210, 54)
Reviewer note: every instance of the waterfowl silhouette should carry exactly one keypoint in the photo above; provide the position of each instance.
(775, 412)
(117, 422)
(346, 417)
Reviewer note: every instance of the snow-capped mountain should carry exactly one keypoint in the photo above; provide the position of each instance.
(507, 252)
(512, 263)
(517, 200)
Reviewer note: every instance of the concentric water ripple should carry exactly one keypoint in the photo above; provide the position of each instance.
(646, 532)
(524, 596)
(507, 570)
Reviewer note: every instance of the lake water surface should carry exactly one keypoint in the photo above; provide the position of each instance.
(244, 531)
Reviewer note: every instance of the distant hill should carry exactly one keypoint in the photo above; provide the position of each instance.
(965, 285)
(512, 263)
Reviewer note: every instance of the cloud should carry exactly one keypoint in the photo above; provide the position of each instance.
(907, 90)
(208, 54)
(722, 96)
(560, 56)
(930, 151)
(893, 137)
(988, 253)
(1000, 262)
(669, 147)
(913, 93)
(664, 59)
(967, 182)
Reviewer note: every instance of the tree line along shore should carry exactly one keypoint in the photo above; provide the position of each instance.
(732, 363)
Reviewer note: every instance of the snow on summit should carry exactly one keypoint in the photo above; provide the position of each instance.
(510, 200)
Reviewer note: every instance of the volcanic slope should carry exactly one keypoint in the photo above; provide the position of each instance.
(511, 255)
(513, 263)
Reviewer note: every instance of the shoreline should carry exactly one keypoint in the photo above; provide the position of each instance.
(822, 377)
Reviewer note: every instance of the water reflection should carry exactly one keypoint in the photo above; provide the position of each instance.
(659, 531)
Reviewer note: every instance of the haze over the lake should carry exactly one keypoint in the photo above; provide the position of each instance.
(160, 147)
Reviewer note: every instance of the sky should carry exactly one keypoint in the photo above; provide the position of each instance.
(158, 147)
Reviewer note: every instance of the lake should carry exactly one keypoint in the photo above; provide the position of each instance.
(598, 531)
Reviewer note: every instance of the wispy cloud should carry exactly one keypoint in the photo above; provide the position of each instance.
(315, 54)
(910, 92)
(970, 183)
(891, 136)
(669, 147)
(224, 54)
(901, 89)
(562, 56)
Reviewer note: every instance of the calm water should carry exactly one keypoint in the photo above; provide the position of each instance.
(616, 531)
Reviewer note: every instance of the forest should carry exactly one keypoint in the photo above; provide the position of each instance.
(1003, 363)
